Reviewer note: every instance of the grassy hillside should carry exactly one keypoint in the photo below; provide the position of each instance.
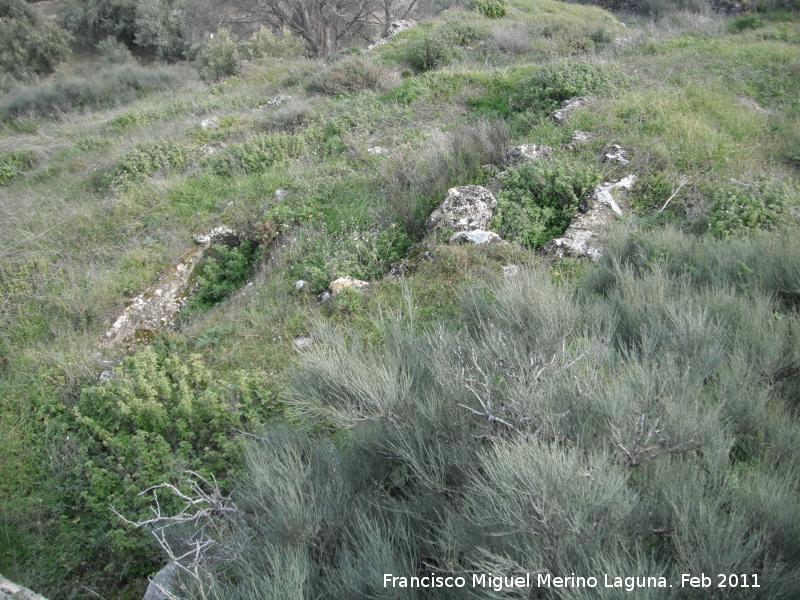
(682, 342)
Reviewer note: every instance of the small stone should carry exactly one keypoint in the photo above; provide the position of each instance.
(304, 341)
(617, 154)
(526, 153)
(210, 123)
(580, 137)
(567, 106)
(347, 282)
(377, 150)
(299, 285)
(106, 375)
(477, 237)
(324, 297)
(510, 270)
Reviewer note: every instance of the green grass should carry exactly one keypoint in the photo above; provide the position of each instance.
(101, 197)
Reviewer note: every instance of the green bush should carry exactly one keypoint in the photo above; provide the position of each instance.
(442, 45)
(159, 414)
(149, 158)
(763, 203)
(361, 253)
(263, 43)
(257, 154)
(108, 87)
(15, 163)
(538, 201)
(494, 9)
(29, 45)
(223, 271)
(113, 52)
(220, 58)
(543, 89)
(98, 19)
(349, 75)
(745, 22)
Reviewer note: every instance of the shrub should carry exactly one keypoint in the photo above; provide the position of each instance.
(113, 52)
(149, 158)
(263, 43)
(538, 200)
(29, 45)
(15, 163)
(543, 89)
(745, 22)
(257, 154)
(223, 271)
(537, 437)
(159, 415)
(441, 45)
(220, 58)
(760, 204)
(494, 9)
(98, 19)
(349, 75)
(108, 87)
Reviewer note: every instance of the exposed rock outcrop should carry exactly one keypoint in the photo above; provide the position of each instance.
(465, 208)
(582, 237)
(157, 307)
(526, 153)
(395, 28)
(567, 106)
(12, 591)
(162, 584)
(478, 237)
(347, 282)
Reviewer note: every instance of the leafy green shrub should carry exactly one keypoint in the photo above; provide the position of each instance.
(220, 58)
(113, 52)
(28, 44)
(223, 271)
(441, 45)
(159, 414)
(263, 43)
(494, 9)
(543, 89)
(760, 204)
(149, 158)
(745, 22)
(15, 163)
(538, 200)
(108, 87)
(350, 75)
(98, 19)
(257, 154)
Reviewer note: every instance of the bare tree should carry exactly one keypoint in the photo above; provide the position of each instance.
(325, 25)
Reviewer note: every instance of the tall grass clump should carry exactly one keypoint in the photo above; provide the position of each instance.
(417, 187)
(106, 88)
(552, 430)
(350, 75)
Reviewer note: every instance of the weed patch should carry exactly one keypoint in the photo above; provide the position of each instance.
(15, 163)
(255, 155)
(538, 200)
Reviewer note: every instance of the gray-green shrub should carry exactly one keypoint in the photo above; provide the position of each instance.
(108, 87)
(29, 45)
(623, 426)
